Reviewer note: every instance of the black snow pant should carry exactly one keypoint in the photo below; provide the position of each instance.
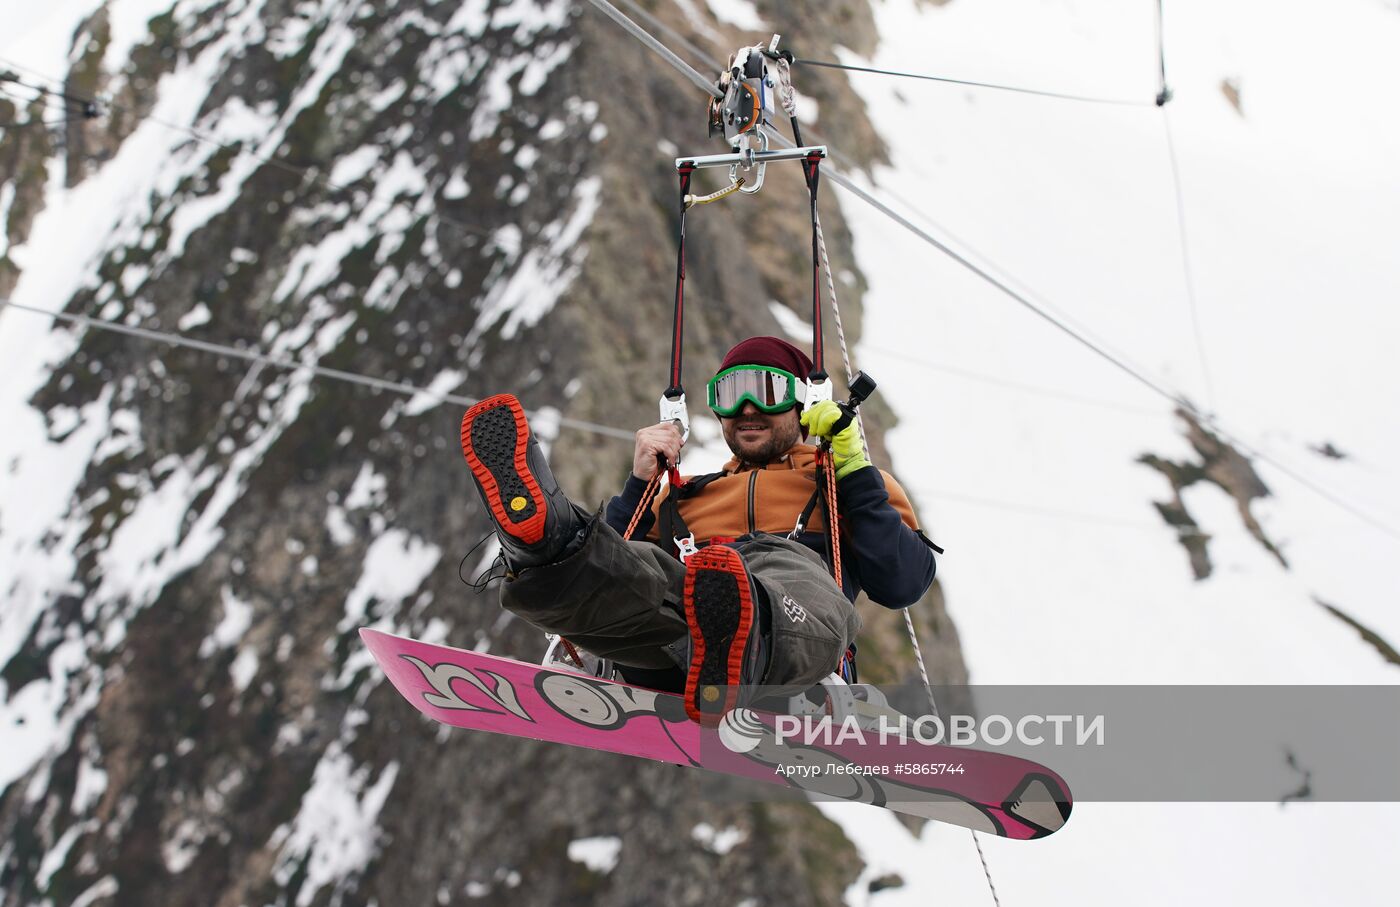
(622, 601)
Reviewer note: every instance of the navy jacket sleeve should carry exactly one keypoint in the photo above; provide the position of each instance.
(894, 565)
(621, 508)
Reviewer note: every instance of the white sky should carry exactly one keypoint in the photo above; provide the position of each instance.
(1293, 215)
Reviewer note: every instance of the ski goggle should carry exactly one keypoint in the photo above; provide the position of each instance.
(770, 390)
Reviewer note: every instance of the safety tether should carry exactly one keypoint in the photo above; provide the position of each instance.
(672, 403)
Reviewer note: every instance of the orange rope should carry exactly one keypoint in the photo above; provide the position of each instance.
(833, 517)
(573, 653)
(644, 504)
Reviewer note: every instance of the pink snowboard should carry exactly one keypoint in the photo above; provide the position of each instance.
(990, 792)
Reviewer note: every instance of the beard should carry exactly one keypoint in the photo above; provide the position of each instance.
(782, 435)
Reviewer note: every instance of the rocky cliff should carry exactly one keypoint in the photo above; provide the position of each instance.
(468, 197)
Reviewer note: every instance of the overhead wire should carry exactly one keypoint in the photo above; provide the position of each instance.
(958, 497)
(675, 35)
(1000, 283)
(996, 381)
(881, 206)
(884, 208)
(407, 389)
(286, 362)
(1211, 419)
(310, 173)
(1120, 102)
(1164, 94)
(76, 108)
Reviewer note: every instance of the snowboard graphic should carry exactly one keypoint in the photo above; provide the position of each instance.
(989, 792)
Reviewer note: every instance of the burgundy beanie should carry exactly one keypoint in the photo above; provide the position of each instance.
(769, 351)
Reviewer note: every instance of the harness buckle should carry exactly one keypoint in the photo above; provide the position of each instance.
(674, 410)
(686, 546)
(817, 391)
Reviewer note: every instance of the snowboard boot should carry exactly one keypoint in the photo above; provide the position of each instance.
(535, 522)
(720, 604)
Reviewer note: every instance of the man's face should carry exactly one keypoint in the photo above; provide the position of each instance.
(758, 438)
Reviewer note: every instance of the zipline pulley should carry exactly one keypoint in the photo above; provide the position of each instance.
(753, 88)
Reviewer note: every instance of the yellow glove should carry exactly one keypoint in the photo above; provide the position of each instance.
(846, 449)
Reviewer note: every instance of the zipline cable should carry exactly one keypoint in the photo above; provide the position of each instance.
(1120, 102)
(715, 65)
(285, 362)
(1032, 389)
(1136, 374)
(1164, 94)
(411, 390)
(312, 174)
(845, 183)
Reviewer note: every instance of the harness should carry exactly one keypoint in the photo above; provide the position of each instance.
(753, 86)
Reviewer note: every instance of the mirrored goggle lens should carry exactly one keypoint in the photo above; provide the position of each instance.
(767, 389)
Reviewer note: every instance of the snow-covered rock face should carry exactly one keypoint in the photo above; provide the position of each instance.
(464, 197)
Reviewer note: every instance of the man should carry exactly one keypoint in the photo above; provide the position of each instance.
(752, 606)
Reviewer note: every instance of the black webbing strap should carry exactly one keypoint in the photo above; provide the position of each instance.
(674, 389)
(670, 525)
(806, 516)
(810, 168)
(819, 497)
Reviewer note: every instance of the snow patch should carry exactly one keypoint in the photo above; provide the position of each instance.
(238, 617)
(698, 21)
(90, 785)
(790, 322)
(544, 273)
(195, 317)
(433, 394)
(530, 17)
(599, 854)
(399, 198)
(368, 491)
(335, 834)
(457, 186)
(258, 132)
(183, 846)
(741, 14)
(58, 854)
(395, 566)
(7, 198)
(471, 18)
(106, 887)
(243, 669)
(353, 167)
(720, 842)
(338, 526)
(537, 71)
